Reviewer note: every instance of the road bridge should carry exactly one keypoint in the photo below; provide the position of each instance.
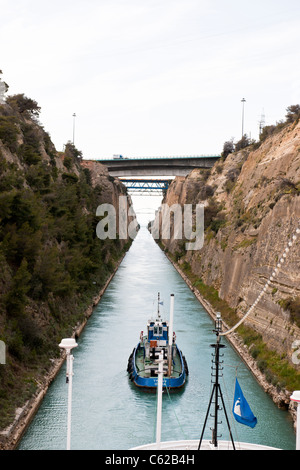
(157, 166)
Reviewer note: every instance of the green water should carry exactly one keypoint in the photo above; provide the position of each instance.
(108, 412)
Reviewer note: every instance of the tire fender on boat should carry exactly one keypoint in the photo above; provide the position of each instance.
(129, 365)
(185, 365)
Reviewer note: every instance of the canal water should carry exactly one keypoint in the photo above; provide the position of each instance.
(108, 412)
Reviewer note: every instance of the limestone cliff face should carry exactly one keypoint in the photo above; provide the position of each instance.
(252, 208)
(111, 187)
(111, 190)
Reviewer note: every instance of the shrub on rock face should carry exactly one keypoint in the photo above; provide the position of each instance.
(293, 307)
(243, 143)
(9, 132)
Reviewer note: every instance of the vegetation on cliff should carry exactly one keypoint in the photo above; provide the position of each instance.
(52, 263)
(292, 116)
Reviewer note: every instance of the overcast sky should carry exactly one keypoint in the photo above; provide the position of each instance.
(152, 77)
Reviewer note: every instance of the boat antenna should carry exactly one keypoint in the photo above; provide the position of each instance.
(158, 302)
(216, 391)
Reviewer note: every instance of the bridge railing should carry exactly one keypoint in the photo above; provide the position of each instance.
(159, 158)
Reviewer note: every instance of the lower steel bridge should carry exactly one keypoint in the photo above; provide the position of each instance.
(146, 186)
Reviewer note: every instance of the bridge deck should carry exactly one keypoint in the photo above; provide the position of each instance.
(157, 166)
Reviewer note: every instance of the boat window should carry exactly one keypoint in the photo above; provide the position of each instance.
(158, 331)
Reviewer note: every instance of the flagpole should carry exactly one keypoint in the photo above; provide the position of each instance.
(159, 400)
(170, 345)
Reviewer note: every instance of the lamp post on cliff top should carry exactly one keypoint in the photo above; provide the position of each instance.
(243, 106)
(68, 344)
(74, 116)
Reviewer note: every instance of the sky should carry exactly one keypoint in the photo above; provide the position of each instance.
(152, 77)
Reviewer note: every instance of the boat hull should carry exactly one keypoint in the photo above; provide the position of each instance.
(150, 383)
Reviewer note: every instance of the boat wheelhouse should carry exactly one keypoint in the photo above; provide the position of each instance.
(144, 359)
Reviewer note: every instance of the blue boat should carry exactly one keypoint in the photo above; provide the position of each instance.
(155, 345)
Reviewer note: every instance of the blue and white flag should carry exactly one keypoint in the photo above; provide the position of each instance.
(241, 410)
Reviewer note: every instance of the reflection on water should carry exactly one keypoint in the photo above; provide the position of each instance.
(108, 412)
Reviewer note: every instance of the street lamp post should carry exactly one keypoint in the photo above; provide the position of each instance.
(74, 116)
(243, 101)
(68, 344)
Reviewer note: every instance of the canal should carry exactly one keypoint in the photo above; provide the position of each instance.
(108, 412)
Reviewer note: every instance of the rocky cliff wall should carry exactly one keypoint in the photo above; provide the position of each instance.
(252, 208)
(111, 190)
(53, 266)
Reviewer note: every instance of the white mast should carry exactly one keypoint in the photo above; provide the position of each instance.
(296, 397)
(158, 303)
(159, 400)
(170, 347)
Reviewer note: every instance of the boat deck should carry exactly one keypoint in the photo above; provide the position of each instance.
(206, 445)
(146, 367)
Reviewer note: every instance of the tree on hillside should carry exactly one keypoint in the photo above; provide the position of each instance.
(228, 148)
(243, 143)
(293, 113)
(72, 156)
(23, 104)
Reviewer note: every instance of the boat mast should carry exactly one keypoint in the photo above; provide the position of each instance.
(159, 400)
(170, 345)
(158, 302)
(216, 391)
